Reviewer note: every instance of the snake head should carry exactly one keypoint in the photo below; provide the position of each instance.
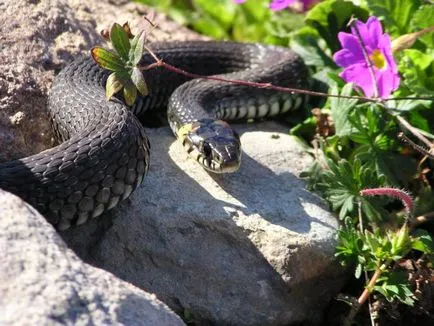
(213, 144)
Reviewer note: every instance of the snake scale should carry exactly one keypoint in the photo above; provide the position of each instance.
(104, 153)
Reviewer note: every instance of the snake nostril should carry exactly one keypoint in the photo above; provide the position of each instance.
(218, 158)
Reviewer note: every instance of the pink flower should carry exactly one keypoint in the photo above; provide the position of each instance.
(378, 48)
(277, 5)
(282, 4)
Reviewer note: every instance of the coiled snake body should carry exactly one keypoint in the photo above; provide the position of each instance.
(104, 153)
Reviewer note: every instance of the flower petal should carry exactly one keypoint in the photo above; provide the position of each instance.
(375, 31)
(344, 58)
(387, 82)
(280, 4)
(369, 42)
(384, 46)
(352, 45)
(360, 76)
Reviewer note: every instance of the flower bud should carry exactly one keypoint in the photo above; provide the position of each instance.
(105, 34)
(407, 40)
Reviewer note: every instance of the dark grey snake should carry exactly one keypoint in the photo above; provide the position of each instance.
(104, 152)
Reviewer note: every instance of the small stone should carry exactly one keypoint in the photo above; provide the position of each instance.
(17, 118)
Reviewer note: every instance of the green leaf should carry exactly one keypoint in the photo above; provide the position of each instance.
(396, 14)
(137, 48)
(398, 169)
(256, 11)
(424, 18)
(243, 31)
(421, 123)
(113, 85)
(331, 17)
(340, 109)
(417, 68)
(130, 93)
(107, 59)
(358, 271)
(222, 11)
(307, 43)
(139, 81)
(394, 286)
(120, 41)
(282, 23)
(422, 241)
(204, 23)
(408, 105)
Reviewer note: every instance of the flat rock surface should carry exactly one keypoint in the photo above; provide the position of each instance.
(42, 282)
(250, 248)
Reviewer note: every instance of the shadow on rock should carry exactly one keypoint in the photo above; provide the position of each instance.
(252, 248)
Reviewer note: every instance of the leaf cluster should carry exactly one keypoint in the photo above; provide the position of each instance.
(123, 62)
(372, 250)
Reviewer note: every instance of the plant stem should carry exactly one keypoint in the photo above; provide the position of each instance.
(368, 289)
(161, 63)
(404, 123)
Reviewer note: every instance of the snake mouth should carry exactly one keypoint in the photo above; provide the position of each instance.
(211, 159)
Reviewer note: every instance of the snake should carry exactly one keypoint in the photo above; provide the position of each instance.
(103, 152)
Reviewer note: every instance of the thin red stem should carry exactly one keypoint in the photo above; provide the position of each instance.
(161, 63)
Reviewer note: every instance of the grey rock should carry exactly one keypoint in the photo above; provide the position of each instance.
(250, 248)
(42, 282)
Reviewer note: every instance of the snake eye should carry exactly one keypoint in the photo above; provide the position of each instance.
(206, 149)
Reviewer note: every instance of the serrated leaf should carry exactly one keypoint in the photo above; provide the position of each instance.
(113, 85)
(139, 81)
(107, 59)
(340, 109)
(137, 47)
(120, 41)
(130, 93)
